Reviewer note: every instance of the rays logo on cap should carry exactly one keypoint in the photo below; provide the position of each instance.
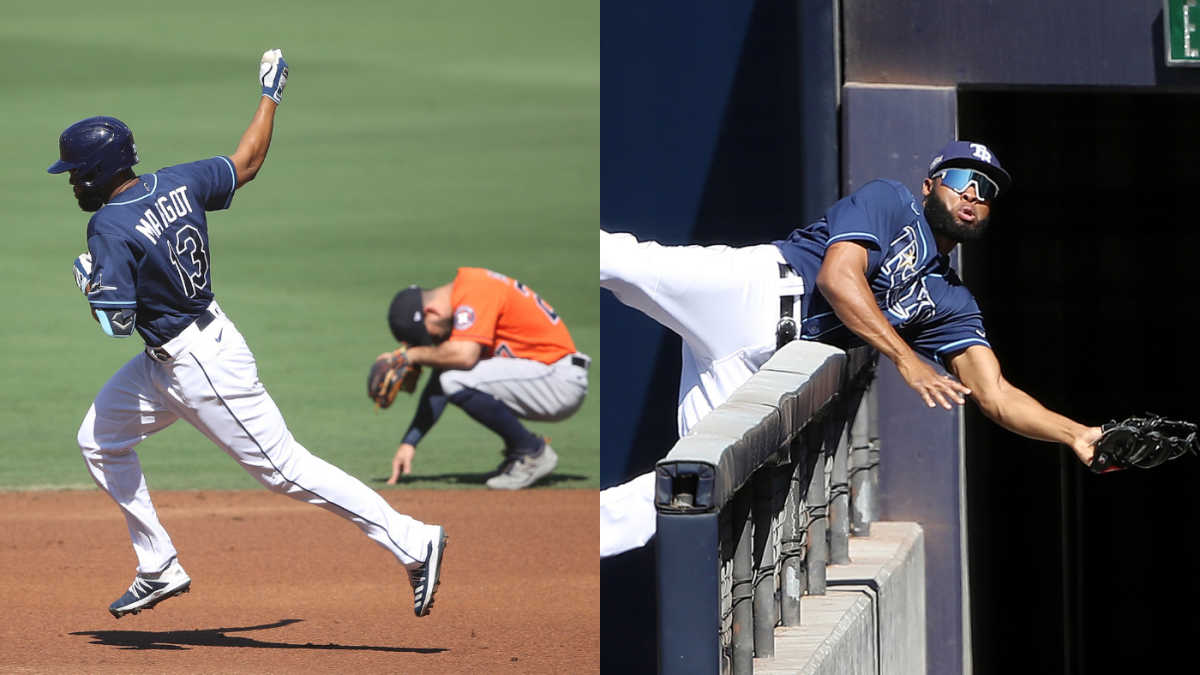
(417, 316)
(464, 317)
(982, 152)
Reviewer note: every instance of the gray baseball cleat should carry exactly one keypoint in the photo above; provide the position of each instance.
(150, 589)
(425, 578)
(520, 471)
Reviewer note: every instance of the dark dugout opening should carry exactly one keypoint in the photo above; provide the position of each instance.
(1087, 281)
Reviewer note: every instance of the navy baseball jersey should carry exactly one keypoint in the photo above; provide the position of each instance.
(149, 246)
(914, 285)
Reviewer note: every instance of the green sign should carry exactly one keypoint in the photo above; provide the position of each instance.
(1180, 21)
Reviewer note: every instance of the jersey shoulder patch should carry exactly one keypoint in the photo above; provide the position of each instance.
(464, 317)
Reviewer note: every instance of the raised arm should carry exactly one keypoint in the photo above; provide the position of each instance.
(1014, 409)
(843, 282)
(252, 149)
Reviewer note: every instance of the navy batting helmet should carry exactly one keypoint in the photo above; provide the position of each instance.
(98, 148)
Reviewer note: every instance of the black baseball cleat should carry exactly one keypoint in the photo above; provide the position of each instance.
(425, 577)
(150, 589)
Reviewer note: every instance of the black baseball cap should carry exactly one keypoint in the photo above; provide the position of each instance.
(968, 155)
(406, 317)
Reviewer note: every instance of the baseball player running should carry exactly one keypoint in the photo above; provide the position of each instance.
(874, 270)
(498, 351)
(147, 271)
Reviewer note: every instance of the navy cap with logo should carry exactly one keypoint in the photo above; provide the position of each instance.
(406, 318)
(968, 155)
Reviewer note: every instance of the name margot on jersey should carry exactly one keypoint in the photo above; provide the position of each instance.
(179, 205)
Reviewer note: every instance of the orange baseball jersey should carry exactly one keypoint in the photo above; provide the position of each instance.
(507, 318)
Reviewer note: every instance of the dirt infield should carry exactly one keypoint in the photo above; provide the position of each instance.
(283, 587)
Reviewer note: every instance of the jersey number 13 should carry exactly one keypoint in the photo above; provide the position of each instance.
(190, 259)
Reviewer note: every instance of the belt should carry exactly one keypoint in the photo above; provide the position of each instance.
(580, 361)
(159, 354)
(785, 330)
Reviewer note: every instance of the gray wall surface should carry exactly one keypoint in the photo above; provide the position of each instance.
(893, 132)
(871, 619)
(1030, 42)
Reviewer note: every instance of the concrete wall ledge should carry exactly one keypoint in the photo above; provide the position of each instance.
(872, 617)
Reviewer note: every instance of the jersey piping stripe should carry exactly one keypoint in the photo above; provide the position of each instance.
(277, 470)
(817, 336)
(854, 236)
(924, 244)
(148, 194)
(818, 316)
(109, 302)
(955, 346)
(233, 172)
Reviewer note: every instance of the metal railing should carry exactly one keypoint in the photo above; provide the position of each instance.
(753, 504)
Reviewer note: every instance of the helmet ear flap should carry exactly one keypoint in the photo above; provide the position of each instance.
(88, 179)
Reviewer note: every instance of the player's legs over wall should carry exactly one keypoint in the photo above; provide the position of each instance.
(699, 292)
(628, 518)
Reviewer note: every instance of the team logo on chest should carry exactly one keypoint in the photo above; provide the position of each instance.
(464, 317)
(903, 258)
(905, 295)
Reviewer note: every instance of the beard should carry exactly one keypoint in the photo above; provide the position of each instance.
(942, 222)
(90, 201)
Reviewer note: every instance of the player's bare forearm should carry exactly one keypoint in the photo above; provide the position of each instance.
(848, 293)
(449, 355)
(1014, 409)
(1022, 414)
(842, 280)
(252, 149)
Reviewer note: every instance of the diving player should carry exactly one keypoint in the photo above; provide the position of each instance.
(875, 270)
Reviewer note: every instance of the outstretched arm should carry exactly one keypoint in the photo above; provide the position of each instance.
(1015, 410)
(843, 282)
(429, 409)
(252, 149)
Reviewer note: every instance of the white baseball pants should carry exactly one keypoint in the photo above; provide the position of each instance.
(724, 303)
(531, 389)
(211, 381)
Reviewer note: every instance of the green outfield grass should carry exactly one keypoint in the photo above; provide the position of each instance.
(414, 138)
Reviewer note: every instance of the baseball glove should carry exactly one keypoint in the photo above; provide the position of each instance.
(390, 374)
(1143, 442)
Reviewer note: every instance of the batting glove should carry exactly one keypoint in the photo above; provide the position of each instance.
(83, 272)
(272, 74)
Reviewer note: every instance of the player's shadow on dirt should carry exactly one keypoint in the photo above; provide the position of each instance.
(217, 637)
(554, 479)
